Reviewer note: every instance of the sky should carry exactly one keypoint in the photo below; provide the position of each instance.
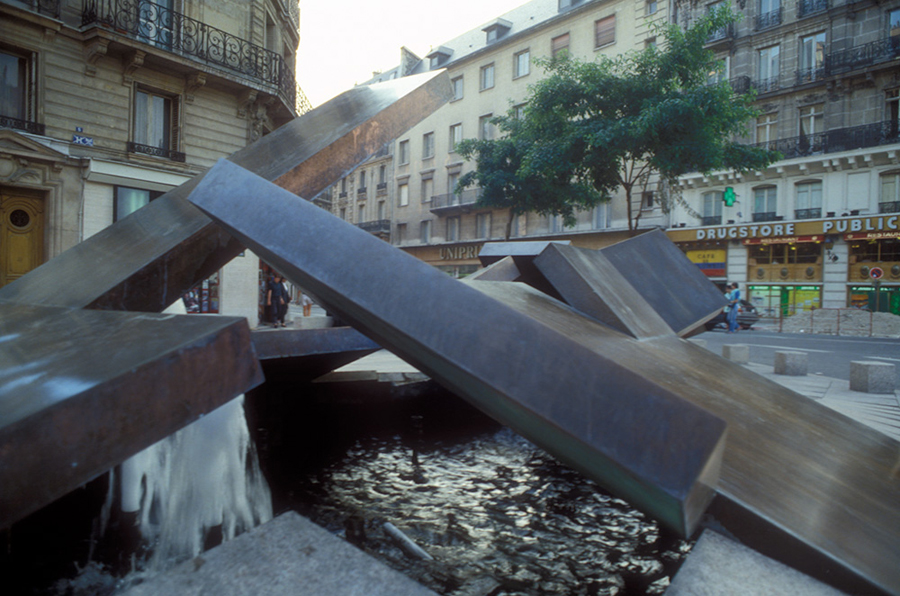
(342, 43)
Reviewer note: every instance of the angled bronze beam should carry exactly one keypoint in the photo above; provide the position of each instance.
(149, 259)
(305, 354)
(82, 390)
(659, 452)
(792, 468)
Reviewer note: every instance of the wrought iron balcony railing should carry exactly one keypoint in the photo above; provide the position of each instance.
(796, 146)
(741, 84)
(720, 34)
(862, 56)
(379, 226)
(810, 74)
(814, 213)
(47, 7)
(711, 220)
(889, 207)
(18, 124)
(810, 7)
(175, 32)
(766, 216)
(769, 19)
(361, 191)
(466, 197)
(156, 151)
(767, 85)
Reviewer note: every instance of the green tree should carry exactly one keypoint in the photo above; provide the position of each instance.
(589, 128)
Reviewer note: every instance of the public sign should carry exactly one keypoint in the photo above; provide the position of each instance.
(876, 273)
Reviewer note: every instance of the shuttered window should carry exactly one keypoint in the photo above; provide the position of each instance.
(559, 45)
(605, 31)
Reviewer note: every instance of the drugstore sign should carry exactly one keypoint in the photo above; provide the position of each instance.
(877, 225)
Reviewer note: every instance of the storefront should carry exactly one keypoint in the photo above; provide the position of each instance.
(783, 300)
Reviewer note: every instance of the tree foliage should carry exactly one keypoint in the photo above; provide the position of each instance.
(589, 128)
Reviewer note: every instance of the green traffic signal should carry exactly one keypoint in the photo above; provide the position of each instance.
(728, 196)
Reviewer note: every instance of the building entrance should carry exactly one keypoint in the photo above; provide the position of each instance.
(21, 233)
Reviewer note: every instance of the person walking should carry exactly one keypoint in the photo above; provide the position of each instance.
(734, 304)
(277, 299)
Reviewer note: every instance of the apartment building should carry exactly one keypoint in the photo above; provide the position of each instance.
(491, 68)
(107, 104)
(821, 227)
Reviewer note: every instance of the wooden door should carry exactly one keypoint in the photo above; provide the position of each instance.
(21, 233)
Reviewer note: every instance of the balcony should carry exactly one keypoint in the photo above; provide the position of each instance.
(807, 8)
(767, 85)
(797, 146)
(839, 139)
(726, 32)
(461, 201)
(17, 124)
(711, 220)
(766, 216)
(810, 75)
(361, 191)
(769, 19)
(862, 56)
(45, 7)
(741, 84)
(814, 213)
(156, 152)
(889, 207)
(174, 32)
(381, 189)
(377, 227)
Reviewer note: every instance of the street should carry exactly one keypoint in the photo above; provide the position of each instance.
(829, 355)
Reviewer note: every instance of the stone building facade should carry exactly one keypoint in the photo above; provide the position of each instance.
(820, 227)
(107, 104)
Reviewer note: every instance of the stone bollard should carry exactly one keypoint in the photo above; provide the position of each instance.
(793, 364)
(737, 353)
(872, 377)
(700, 343)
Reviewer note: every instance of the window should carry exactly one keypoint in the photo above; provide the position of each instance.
(768, 68)
(452, 229)
(381, 175)
(812, 58)
(650, 7)
(129, 200)
(769, 14)
(605, 31)
(647, 200)
(457, 88)
(401, 233)
(156, 22)
(485, 127)
(155, 123)
(455, 136)
(811, 119)
(522, 64)
(712, 208)
(889, 200)
(894, 27)
(559, 46)
(722, 72)
(380, 210)
(650, 42)
(809, 200)
(343, 187)
(361, 214)
(483, 225)
(487, 77)
(362, 182)
(765, 203)
(452, 180)
(16, 106)
(601, 216)
(343, 213)
(403, 195)
(425, 231)
(519, 111)
(766, 128)
(403, 152)
(427, 145)
(427, 189)
(892, 114)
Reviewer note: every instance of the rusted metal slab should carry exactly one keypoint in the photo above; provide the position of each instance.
(799, 481)
(310, 353)
(659, 452)
(82, 390)
(149, 259)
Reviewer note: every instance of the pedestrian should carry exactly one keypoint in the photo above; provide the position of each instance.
(734, 308)
(307, 305)
(277, 299)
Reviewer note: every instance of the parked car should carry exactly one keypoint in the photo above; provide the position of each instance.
(747, 318)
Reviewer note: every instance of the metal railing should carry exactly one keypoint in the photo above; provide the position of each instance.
(378, 226)
(19, 124)
(769, 19)
(889, 207)
(840, 139)
(796, 146)
(863, 55)
(720, 34)
(711, 220)
(156, 151)
(175, 32)
(765, 216)
(810, 7)
(810, 74)
(455, 199)
(47, 7)
(813, 213)
(767, 85)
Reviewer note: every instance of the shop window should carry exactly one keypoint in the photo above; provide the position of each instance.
(605, 31)
(156, 125)
(559, 46)
(889, 199)
(128, 200)
(875, 251)
(17, 106)
(765, 203)
(809, 200)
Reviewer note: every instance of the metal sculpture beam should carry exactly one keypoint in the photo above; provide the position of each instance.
(149, 259)
(81, 390)
(659, 452)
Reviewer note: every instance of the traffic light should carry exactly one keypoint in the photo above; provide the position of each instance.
(728, 196)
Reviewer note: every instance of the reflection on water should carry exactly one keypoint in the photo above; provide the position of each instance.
(498, 515)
